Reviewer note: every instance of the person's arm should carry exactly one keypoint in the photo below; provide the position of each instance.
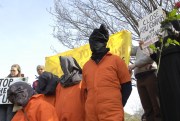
(126, 91)
(154, 57)
(141, 62)
(125, 80)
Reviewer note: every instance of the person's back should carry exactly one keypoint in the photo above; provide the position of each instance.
(69, 95)
(69, 103)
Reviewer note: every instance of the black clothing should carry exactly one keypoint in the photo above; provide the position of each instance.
(19, 93)
(47, 83)
(100, 34)
(98, 41)
(169, 77)
(126, 91)
(99, 55)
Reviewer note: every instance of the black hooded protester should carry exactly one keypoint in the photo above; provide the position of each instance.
(105, 76)
(34, 106)
(69, 95)
(169, 72)
(47, 83)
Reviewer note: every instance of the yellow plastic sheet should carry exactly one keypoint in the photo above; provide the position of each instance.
(119, 44)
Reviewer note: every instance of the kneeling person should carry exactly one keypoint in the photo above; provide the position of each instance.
(34, 106)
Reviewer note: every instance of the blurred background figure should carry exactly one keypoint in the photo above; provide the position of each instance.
(40, 70)
(15, 71)
(6, 110)
(147, 84)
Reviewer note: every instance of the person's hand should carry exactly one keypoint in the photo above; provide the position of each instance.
(131, 67)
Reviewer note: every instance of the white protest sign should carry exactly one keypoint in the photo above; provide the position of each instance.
(149, 27)
(4, 85)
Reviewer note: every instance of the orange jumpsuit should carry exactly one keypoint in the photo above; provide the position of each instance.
(70, 103)
(37, 110)
(102, 81)
(50, 99)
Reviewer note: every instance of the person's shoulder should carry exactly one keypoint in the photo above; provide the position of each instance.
(87, 63)
(116, 57)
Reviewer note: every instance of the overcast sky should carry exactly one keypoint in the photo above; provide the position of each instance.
(26, 35)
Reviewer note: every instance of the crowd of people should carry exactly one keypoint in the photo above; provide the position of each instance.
(99, 91)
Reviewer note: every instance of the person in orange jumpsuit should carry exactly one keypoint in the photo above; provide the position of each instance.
(69, 102)
(106, 79)
(47, 83)
(35, 108)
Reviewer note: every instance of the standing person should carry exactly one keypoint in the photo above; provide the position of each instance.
(34, 106)
(40, 70)
(106, 79)
(69, 103)
(6, 110)
(147, 84)
(169, 72)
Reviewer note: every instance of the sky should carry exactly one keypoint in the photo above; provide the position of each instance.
(26, 39)
(26, 35)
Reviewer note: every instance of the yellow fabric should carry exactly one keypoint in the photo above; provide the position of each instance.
(119, 44)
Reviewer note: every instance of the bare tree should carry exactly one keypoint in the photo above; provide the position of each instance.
(75, 19)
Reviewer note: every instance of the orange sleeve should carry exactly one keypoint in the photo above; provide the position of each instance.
(122, 71)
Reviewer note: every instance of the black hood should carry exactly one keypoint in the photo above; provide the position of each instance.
(19, 93)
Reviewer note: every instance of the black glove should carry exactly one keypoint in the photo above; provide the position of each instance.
(170, 29)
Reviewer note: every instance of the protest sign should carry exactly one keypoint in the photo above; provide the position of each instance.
(150, 27)
(4, 85)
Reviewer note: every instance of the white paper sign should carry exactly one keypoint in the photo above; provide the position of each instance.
(4, 85)
(149, 27)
